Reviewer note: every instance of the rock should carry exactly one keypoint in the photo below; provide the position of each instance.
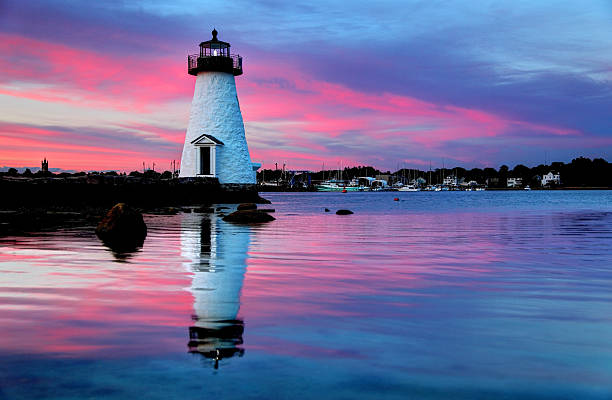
(248, 217)
(344, 212)
(267, 210)
(327, 210)
(247, 206)
(204, 210)
(261, 200)
(122, 228)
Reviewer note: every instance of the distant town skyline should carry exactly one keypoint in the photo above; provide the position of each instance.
(104, 86)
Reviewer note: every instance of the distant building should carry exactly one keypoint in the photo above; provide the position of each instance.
(450, 181)
(378, 184)
(384, 177)
(514, 182)
(551, 177)
(44, 165)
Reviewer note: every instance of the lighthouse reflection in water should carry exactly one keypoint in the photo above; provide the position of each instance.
(217, 259)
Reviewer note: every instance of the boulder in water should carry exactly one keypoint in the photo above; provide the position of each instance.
(122, 228)
(248, 217)
(344, 212)
(247, 206)
(261, 200)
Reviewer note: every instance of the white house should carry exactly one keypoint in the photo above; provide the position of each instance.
(514, 182)
(551, 177)
(215, 142)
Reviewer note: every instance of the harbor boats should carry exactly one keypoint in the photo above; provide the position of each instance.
(361, 184)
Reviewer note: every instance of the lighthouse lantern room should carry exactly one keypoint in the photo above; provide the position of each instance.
(215, 142)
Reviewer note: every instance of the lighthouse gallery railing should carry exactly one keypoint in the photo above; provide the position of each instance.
(195, 62)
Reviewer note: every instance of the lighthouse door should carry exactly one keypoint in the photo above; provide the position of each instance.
(205, 160)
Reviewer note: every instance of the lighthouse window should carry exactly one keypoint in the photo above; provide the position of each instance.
(205, 160)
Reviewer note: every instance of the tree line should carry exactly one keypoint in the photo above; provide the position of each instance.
(148, 174)
(580, 172)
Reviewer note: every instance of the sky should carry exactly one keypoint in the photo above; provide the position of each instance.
(103, 85)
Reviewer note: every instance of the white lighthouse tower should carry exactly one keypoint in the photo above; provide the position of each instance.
(215, 144)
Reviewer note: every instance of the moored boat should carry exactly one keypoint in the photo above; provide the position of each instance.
(408, 188)
(336, 186)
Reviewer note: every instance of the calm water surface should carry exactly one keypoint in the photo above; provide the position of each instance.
(458, 295)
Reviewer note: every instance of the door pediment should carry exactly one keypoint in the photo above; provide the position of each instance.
(206, 140)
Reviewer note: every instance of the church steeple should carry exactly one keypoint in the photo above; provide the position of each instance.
(44, 165)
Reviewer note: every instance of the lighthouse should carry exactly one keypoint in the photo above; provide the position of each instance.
(215, 143)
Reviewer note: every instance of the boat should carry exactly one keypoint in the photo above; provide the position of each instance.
(336, 186)
(408, 188)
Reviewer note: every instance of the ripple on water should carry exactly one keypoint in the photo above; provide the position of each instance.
(439, 295)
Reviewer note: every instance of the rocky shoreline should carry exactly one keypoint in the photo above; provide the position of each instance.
(39, 204)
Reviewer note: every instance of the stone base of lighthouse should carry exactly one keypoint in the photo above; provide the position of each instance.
(215, 142)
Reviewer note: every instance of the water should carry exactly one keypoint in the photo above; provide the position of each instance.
(462, 295)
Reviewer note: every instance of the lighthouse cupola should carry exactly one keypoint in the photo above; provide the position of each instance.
(214, 56)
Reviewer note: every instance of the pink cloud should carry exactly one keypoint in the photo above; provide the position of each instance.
(64, 74)
(307, 121)
(24, 145)
(359, 124)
